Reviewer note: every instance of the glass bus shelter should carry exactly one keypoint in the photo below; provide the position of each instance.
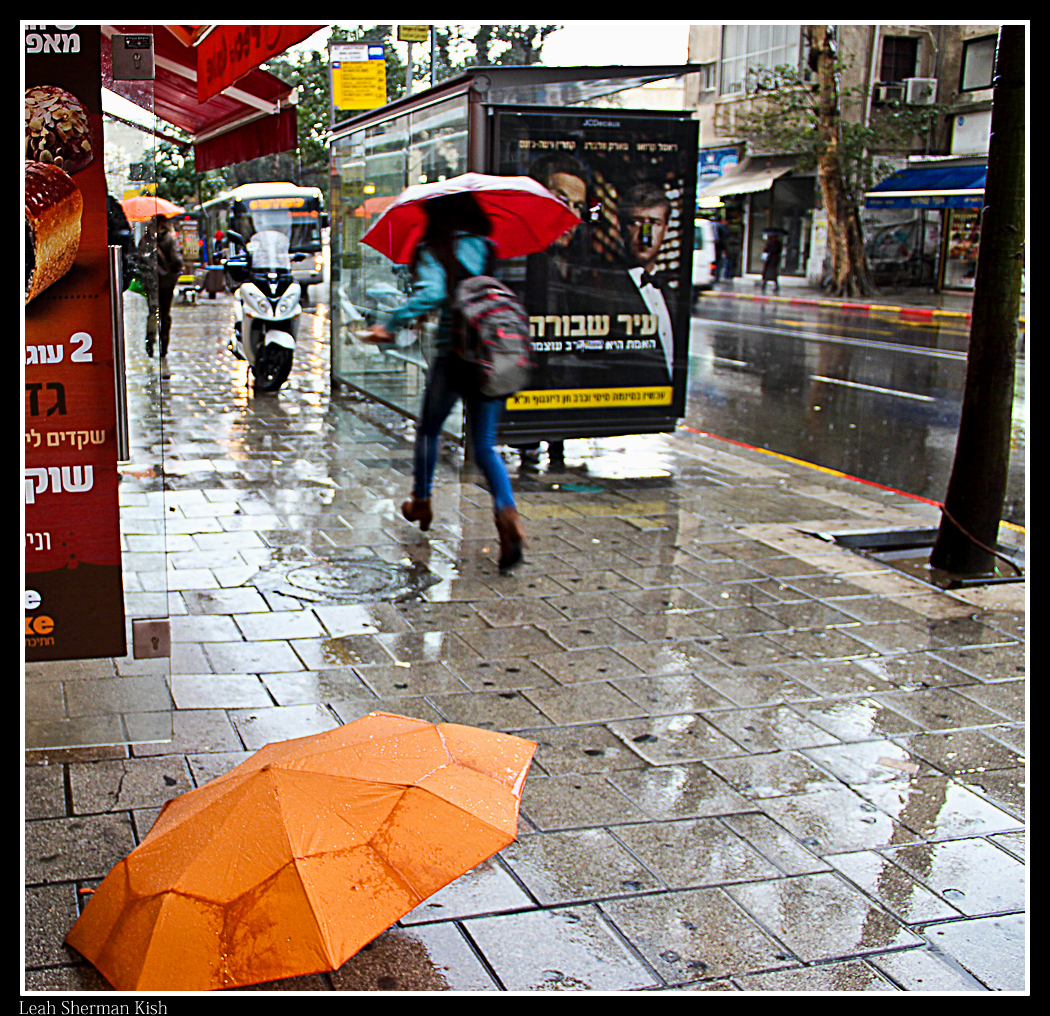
(612, 353)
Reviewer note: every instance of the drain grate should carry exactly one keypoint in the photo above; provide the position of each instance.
(344, 580)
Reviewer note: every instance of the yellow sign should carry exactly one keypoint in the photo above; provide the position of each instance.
(413, 33)
(592, 398)
(358, 76)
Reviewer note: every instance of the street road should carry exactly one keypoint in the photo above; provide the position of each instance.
(873, 395)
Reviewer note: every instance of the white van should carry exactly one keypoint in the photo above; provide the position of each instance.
(703, 255)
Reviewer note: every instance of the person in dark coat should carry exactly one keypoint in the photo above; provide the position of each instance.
(771, 255)
(169, 268)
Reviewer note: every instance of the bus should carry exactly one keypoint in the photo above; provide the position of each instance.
(295, 211)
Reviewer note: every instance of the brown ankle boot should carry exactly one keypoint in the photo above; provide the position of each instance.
(417, 509)
(511, 538)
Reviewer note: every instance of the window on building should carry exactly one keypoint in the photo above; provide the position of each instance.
(899, 58)
(978, 63)
(747, 47)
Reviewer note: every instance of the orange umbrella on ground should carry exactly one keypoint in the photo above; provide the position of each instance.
(291, 862)
(143, 207)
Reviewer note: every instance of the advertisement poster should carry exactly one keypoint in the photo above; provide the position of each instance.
(608, 302)
(74, 603)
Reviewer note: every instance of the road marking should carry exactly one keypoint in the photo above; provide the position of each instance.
(944, 354)
(873, 388)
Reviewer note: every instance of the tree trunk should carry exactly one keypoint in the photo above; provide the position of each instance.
(973, 505)
(849, 271)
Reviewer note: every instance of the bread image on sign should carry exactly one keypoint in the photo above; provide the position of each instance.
(54, 206)
(58, 143)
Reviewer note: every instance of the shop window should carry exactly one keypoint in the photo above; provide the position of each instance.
(978, 63)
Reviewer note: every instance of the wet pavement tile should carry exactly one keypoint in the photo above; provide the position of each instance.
(406, 679)
(669, 740)
(670, 792)
(683, 656)
(698, 933)
(302, 687)
(937, 807)
(499, 674)
(756, 686)
(258, 727)
(988, 663)
(589, 634)
(515, 640)
(973, 875)
(769, 728)
(581, 703)
(893, 887)
(670, 694)
(574, 866)
(773, 774)
(925, 970)
(993, 949)
(1005, 788)
(504, 711)
(776, 844)
(962, 752)
(857, 719)
(423, 958)
(579, 665)
(822, 917)
(272, 656)
(590, 748)
(579, 800)
(836, 820)
(851, 975)
(1008, 698)
(861, 762)
(939, 709)
(488, 888)
(562, 949)
(695, 852)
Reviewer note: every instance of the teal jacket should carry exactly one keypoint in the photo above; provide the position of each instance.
(430, 289)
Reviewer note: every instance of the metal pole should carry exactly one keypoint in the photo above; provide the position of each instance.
(120, 378)
(408, 72)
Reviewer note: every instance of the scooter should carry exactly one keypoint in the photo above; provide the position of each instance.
(266, 307)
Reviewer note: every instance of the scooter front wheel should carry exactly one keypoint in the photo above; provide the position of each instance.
(273, 368)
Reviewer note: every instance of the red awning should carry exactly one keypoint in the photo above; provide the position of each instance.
(257, 98)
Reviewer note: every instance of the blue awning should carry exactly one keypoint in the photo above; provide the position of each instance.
(930, 187)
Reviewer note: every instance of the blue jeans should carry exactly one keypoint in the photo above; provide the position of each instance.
(483, 415)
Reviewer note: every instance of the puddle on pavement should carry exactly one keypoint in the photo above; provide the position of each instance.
(344, 580)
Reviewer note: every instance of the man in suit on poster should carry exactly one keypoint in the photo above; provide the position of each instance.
(636, 290)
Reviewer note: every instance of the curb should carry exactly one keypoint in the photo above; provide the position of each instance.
(917, 312)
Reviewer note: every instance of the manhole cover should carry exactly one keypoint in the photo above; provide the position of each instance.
(344, 580)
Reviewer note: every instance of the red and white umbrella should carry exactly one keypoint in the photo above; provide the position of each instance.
(525, 216)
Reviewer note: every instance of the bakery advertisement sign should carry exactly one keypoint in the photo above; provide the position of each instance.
(74, 603)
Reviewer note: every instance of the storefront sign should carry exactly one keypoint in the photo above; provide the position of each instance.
(413, 33)
(608, 302)
(358, 75)
(228, 52)
(74, 601)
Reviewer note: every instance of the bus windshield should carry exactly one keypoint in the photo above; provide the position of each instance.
(298, 218)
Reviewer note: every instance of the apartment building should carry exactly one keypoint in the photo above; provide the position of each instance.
(923, 223)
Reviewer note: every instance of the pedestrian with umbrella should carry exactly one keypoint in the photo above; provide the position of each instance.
(449, 231)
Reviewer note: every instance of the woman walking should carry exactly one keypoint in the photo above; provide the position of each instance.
(454, 246)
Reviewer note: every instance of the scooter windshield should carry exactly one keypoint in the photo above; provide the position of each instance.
(269, 251)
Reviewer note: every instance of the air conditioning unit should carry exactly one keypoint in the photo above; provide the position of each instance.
(887, 93)
(920, 91)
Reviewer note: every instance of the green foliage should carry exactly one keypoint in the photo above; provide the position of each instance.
(176, 177)
(784, 119)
